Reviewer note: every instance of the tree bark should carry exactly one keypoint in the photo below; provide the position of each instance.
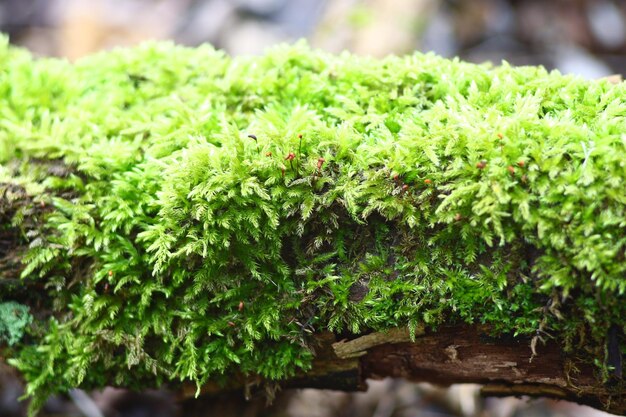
(505, 366)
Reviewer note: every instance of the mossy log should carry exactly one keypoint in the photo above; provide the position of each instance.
(172, 214)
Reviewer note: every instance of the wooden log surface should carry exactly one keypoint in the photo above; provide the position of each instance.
(505, 366)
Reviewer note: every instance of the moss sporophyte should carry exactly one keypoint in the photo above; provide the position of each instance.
(451, 193)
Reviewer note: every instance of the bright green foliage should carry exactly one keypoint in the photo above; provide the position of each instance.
(423, 190)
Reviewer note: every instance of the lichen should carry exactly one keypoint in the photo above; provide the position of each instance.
(202, 215)
(14, 317)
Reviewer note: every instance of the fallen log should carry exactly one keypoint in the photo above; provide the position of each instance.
(504, 366)
(175, 215)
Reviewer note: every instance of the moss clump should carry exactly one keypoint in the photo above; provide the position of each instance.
(193, 215)
(14, 318)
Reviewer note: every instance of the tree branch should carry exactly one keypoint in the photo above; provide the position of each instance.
(456, 354)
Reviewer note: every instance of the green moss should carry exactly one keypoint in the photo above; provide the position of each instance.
(14, 317)
(422, 190)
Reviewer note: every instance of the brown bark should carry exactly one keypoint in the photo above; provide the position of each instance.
(463, 354)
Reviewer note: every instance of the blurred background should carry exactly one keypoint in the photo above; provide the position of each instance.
(584, 37)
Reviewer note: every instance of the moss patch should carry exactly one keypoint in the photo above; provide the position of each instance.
(201, 215)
